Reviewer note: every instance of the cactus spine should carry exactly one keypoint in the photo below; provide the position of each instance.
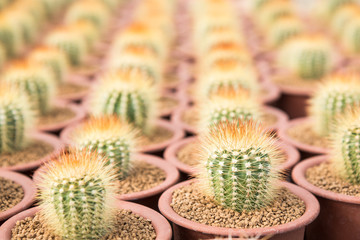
(345, 146)
(338, 93)
(77, 195)
(110, 136)
(130, 99)
(37, 82)
(16, 118)
(239, 165)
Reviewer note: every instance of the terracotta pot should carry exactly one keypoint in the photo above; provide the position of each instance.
(170, 155)
(153, 148)
(80, 114)
(177, 116)
(148, 197)
(29, 193)
(189, 230)
(161, 226)
(305, 149)
(77, 96)
(339, 216)
(44, 137)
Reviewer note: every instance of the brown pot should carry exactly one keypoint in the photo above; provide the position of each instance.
(80, 114)
(339, 216)
(161, 226)
(304, 149)
(29, 193)
(148, 197)
(189, 230)
(48, 138)
(170, 155)
(177, 116)
(153, 148)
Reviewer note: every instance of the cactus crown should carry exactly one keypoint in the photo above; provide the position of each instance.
(132, 100)
(110, 136)
(228, 105)
(77, 194)
(337, 93)
(350, 37)
(307, 56)
(345, 141)
(35, 80)
(239, 165)
(272, 11)
(16, 118)
(343, 16)
(283, 29)
(54, 59)
(10, 36)
(70, 42)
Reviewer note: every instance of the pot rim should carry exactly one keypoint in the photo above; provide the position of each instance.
(54, 141)
(311, 212)
(170, 155)
(298, 175)
(160, 224)
(29, 193)
(301, 146)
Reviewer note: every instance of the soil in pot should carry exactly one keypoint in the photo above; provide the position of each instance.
(11, 194)
(192, 204)
(291, 81)
(129, 226)
(69, 88)
(56, 115)
(158, 135)
(34, 151)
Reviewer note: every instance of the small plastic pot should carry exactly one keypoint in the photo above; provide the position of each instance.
(80, 114)
(150, 197)
(29, 193)
(186, 171)
(190, 230)
(305, 150)
(160, 224)
(339, 216)
(44, 137)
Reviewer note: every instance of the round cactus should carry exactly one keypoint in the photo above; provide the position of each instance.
(110, 136)
(77, 195)
(345, 141)
(350, 37)
(326, 9)
(338, 93)
(16, 118)
(35, 80)
(272, 11)
(307, 56)
(342, 16)
(54, 59)
(228, 105)
(283, 29)
(10, 36)
(133, 100)
(70, 42)
(93, 11)
(239, 165)
(87, 31)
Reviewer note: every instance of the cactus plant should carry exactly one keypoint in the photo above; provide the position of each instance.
(239, 165)
(228, 105)
(342, 16)
(133, 100)
(35, 80)
(326, 9)
(93, 11)
(70, 42)
(110, 136)
(16, 118)
(87, 31)
(52, 58)
(337, 93)
(350, 37)
(77, 195)
(308, 57)
(10, 36)
(345, 141)
(283, 29)
(271, 11)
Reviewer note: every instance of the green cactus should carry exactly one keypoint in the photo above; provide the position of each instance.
(239, 165)
(326, 9)
(37, 82)
(307, 56)
(16, 118)
(272, 11)
(72, 43)
(343, 16)
(132, 100)
(338, 93)
(10, 36)
(77, 194)
(350, 37)
(110, 136)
